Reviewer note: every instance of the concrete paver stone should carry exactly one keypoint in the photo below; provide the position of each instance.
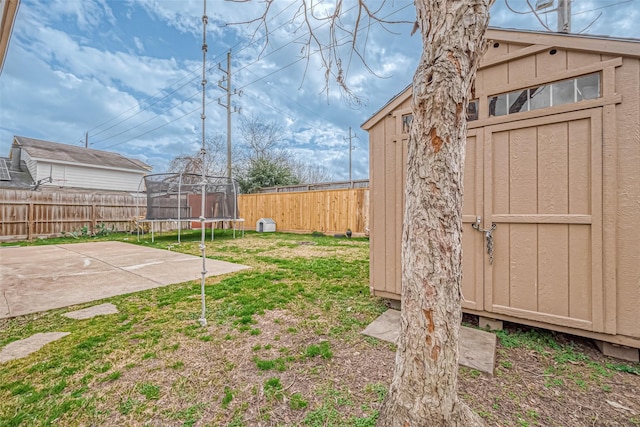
(477, 348)
(93, 311)
(23, 348)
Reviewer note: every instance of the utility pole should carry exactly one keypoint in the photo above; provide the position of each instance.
(564, 16)
(350, 149)
(226, 78)
(563, 12)
(86, 139)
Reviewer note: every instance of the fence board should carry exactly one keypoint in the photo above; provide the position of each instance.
(26, 214)
(329, 211)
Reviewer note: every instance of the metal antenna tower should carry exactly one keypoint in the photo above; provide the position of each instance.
(203, 153)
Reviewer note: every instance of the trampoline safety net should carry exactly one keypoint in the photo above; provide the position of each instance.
(172, 196)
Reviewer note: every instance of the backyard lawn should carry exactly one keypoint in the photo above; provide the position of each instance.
(282, 348)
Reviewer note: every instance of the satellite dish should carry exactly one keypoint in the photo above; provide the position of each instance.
(543, 4)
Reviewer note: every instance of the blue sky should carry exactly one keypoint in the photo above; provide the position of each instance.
(129, 72)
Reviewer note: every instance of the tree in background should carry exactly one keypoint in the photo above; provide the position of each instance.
(260, 161)
(308, 173)
(192, 163)
(264, 163)
(266, 172)
(424, 387)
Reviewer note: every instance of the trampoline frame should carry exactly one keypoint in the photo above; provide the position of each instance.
(203, 220)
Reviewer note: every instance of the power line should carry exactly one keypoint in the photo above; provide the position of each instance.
(146, 121)
(602, 7)
(246, 85)
(138, 112)
(194, 71)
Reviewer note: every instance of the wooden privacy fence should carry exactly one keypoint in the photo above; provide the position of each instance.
(28, 214)
(330, 211)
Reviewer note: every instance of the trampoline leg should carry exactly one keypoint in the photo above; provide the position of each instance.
(152, 237)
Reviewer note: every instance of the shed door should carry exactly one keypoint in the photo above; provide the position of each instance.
(472, 241)
(543, 190)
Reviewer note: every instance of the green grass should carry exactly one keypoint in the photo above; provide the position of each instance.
(227, 398)
(278, 364)
(297, 401)
(273, 389)
(328, 413)
(532, 339)
(323, 350)
(149, 390)
(153, 361)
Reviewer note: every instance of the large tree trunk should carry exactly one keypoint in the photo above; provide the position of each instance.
(424, 387)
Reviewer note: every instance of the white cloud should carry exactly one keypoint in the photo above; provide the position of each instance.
(88, 62)
(138, 43)
(88, 14)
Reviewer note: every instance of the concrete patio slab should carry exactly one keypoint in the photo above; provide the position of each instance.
(93, 311)
(40, 278)
(23, 348)
(477, 348)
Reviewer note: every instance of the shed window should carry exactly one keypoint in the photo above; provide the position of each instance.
(472, 110)
(540, 97)
(588, 87)
(472, 114)
(406, 122)
(534, 98)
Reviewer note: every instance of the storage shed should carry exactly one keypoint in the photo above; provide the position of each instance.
(553, 160)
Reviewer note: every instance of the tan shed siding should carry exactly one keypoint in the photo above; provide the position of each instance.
(521, 68)
(388, 157)
(628, 211)
(472, 244)
(390, 207)
(377, 238)
(546, 63)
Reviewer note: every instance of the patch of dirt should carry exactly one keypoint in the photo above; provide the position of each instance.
(312, 251)
(529, 388)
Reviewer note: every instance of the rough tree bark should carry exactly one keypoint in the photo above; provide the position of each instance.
(424, 387)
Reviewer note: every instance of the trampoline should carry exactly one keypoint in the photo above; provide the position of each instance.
(177, 197)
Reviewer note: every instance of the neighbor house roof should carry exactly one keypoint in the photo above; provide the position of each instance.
(20, 179)
(64, 153)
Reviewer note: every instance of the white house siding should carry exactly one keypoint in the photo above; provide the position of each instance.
(32, 165)
(91, 178)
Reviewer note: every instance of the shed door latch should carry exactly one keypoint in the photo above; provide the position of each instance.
(488, 234)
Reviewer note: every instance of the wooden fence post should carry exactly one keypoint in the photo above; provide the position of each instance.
(93, 216)
(30, 222)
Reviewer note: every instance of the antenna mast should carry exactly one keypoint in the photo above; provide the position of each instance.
(203, 153)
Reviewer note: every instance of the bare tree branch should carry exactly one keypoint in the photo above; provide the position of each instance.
(311, 16)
